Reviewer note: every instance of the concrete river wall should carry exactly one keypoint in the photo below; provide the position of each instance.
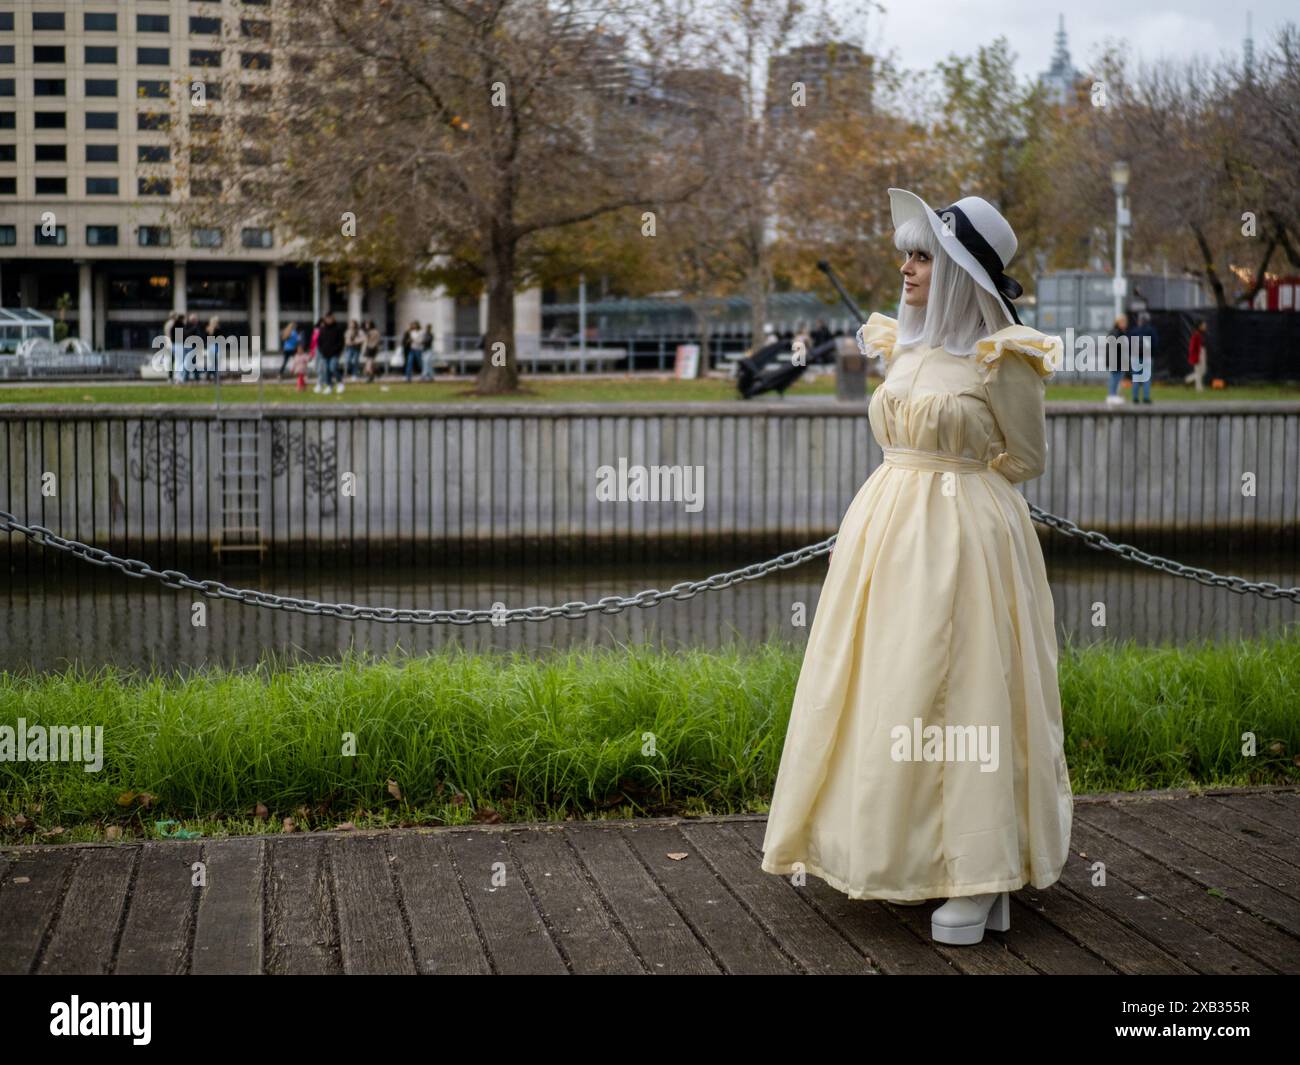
(453, 484)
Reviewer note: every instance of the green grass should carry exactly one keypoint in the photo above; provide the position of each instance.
(469, 737)
(557, 389)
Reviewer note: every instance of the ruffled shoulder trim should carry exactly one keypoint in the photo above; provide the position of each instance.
(1044, 353)
(876, 339)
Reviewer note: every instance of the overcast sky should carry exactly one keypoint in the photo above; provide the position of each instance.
(925, 31)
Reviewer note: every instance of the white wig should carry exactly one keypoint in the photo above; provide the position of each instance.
(958, 312)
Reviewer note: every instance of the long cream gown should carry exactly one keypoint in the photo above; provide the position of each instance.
(935, 612)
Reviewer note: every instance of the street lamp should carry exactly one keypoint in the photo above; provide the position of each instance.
(1119, 181)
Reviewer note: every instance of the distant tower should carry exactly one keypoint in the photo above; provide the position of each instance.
(1248, 50)
(1060, 78)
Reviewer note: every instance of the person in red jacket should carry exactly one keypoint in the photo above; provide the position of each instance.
(1197, 349)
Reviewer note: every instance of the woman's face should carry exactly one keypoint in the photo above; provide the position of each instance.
(916, 278)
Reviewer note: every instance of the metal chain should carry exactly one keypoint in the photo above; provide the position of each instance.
(1099, 542)
(610, 604)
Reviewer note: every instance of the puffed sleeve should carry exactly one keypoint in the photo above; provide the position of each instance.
(877, 337)
(1019, 360)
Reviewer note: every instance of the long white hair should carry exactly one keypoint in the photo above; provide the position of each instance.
(958, 311)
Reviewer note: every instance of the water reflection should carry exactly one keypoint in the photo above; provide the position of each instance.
(54, 614)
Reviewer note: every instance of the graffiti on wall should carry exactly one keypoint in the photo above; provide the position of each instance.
(318, 460)
(160, 454)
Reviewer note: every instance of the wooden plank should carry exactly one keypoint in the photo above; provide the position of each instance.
(1205, 931)
(1115, 820)
(513, 931)
(805, 935)
(1280, 810)
(443, 936)
(405, 512)
(228, 930)
(87, 926)
(301, 936)
(31, 887)
(1242, 854)
(372, 934)
(159, 916)
(1282, 845)
(877, 931)
(1122, 949)
(587, 937)
(659, 935)
(731, 935)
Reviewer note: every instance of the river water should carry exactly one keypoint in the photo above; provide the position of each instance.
(52, 615)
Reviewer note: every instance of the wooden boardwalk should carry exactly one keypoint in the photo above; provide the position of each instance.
(1205, 884)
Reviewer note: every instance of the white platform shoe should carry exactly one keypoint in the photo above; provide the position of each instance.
(963, 920)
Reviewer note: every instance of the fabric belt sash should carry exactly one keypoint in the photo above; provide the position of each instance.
(911, 458)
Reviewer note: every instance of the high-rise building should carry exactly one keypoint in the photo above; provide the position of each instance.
(814, 79)
(89, 92)
(1061, 79)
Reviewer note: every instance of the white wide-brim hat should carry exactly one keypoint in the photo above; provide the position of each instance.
(976, 237)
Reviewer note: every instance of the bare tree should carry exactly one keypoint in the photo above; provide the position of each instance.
(441, 139)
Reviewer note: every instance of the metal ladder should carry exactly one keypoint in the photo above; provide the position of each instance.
(241, 485)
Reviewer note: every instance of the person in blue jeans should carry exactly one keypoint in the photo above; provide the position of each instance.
(1142, 352)
(1115, 352)
(414, 344)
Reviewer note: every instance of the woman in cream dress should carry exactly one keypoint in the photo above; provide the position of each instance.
(924, 754)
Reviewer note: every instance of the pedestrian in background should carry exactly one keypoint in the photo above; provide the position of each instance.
(289, 342)
(426, 353)
(1197, 350)
(330, 347)
(352, 342)
(1142, 352)
(1116, 348)
(373, 342)
(413, 345)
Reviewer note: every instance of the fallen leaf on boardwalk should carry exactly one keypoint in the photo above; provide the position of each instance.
(679, 856)
(22, 880)
(287, 825)
(113, 832)
(261, 812)
(394, 790)
(347, 826)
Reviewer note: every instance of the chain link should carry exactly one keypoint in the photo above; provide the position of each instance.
(610, 604)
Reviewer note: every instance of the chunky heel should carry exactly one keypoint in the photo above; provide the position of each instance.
(1000, 915)
(962, 921)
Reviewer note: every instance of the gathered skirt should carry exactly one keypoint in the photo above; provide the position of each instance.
(924, 756)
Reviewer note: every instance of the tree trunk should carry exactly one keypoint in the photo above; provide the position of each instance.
(1211, 274)
(500, 372)
(759, 286)
(703, 316)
